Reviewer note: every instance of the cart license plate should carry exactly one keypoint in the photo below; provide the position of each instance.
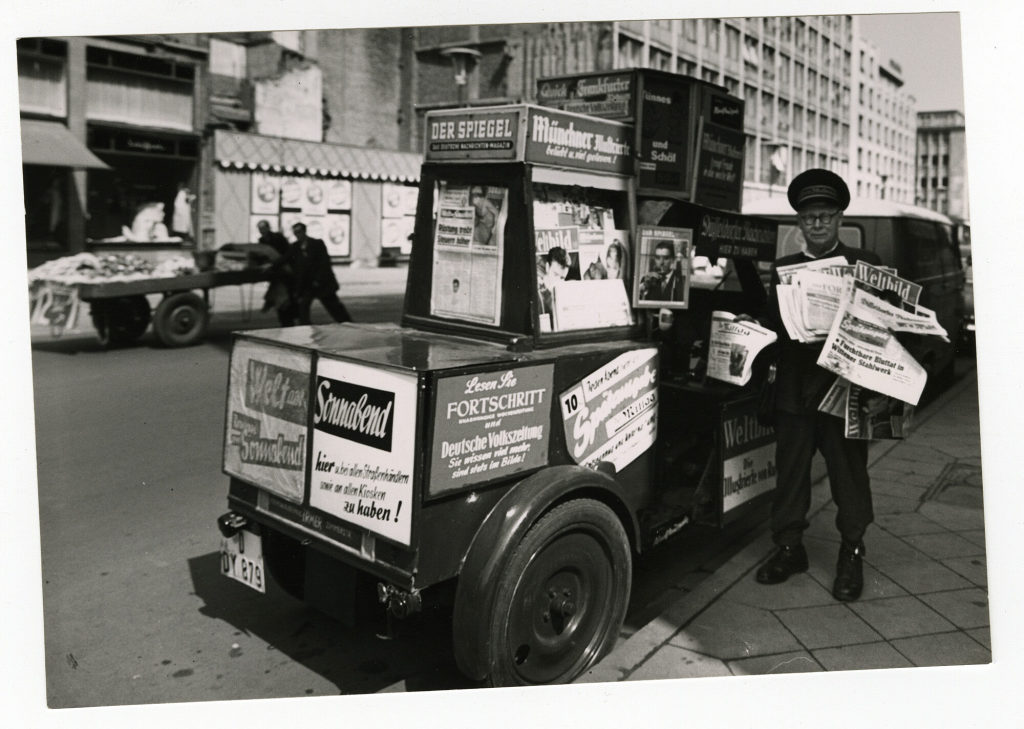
(241, 558)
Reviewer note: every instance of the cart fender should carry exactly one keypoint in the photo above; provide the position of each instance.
(501, 531)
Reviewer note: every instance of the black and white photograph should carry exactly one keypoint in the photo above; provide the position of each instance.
(232, 498)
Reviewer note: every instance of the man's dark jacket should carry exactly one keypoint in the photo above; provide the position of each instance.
(800, 383)
(309, 272)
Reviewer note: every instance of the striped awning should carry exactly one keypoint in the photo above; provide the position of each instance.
(274, 154)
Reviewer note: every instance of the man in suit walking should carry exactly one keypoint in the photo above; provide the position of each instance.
(819, 198)
(306, 267)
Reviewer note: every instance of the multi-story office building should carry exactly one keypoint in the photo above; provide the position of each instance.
(883, 154)
(941, 180)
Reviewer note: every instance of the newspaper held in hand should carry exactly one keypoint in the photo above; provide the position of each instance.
(733, 346)
(862, 348)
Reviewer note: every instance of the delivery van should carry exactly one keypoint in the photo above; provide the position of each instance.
(921, 245)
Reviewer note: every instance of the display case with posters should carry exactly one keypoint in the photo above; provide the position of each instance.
(525, 421)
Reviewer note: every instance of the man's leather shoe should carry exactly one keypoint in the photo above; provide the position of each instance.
(849, 573)
(780, 566)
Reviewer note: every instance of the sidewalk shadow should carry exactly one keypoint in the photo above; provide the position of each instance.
(354, 659)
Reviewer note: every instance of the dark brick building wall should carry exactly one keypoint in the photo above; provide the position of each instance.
(363, 91)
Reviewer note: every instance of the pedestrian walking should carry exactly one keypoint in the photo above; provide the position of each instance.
(278, 295)
(819, 198)
(306, 267)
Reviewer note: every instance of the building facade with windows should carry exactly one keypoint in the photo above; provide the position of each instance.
(108, 126)
(883, 151)
(941, 179)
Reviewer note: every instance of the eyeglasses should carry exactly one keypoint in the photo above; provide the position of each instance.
(822, 218)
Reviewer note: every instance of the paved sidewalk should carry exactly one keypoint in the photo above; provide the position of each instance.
(925, 600)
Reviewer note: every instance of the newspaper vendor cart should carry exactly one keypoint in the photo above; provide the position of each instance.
(538, 419)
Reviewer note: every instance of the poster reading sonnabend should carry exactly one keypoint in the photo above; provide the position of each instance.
(268, 394)
(364, 434)
(612, 413)
(490, 425)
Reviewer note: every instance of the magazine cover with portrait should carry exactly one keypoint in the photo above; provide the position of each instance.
(662, 278)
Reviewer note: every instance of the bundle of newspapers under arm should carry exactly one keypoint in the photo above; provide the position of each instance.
(857, 310)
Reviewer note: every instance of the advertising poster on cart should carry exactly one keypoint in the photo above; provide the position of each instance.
(748, 455)
(662, 281)
(612, 413)
(268, 397)
(364, 423)
(490, 425)
(468, 252)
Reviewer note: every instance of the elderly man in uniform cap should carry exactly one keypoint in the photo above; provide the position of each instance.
(819, 198)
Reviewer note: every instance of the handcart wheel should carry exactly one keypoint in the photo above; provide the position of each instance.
(181, 319)
(120, 320)
(563, 596)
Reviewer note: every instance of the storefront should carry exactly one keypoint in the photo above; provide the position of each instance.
(146, 168)
(360, 202)
(109, 143)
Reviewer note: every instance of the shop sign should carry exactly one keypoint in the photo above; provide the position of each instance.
(612, 413)
(729, 235)
(748, 455)
(718, 181)
(567, 140)
(664, 119)
(724, 110)
(609, 96)
(364, 435)
(266, 418)
(490, 425)
(472, 135)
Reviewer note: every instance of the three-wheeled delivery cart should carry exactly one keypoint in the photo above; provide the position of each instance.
(540, 417)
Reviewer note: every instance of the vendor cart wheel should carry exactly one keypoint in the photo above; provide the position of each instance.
(120, 320)
(181, 319)
(562, 597)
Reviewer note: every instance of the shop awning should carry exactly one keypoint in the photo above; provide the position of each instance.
(50, 143)
(257, 152)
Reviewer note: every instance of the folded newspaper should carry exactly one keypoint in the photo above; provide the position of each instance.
(868, 415)
(857, 309)
(733, 346)
(862, 346)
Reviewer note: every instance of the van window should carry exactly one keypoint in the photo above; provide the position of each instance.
(929, 248)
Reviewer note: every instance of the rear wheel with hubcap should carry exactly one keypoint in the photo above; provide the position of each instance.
(562, 598)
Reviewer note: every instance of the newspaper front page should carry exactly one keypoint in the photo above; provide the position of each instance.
(733, 346)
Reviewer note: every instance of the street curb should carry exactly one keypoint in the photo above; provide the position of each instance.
(629, 655)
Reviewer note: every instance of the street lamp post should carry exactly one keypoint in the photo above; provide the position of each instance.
(462, 60)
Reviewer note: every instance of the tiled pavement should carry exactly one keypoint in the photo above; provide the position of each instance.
(925, 600)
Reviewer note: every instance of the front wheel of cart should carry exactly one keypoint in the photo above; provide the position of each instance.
(562, 598)
(181, 319)
(120, 321)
